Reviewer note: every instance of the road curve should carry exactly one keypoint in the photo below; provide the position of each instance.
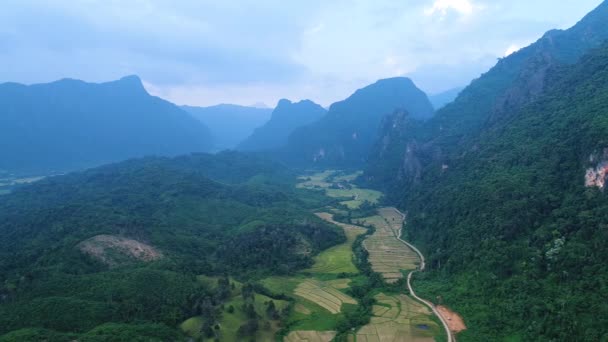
(448, 332)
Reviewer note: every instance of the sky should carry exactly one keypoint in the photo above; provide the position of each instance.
(203, 52)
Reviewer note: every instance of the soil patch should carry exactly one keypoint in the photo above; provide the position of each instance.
(455, 322)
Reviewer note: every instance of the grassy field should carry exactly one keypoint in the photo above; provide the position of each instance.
(398, 318)
(387, 255)
(317, 180)
(326, 179)
(230, 322)
(338, 259)
(358, 196)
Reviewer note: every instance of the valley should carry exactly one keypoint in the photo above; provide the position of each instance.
(339, 297)
(319, 290)
(428, 172)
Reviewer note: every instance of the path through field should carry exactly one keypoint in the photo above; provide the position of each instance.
(413, 293)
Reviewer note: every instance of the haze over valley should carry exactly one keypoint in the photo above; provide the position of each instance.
(266, 171)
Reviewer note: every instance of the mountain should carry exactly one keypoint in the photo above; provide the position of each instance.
(505, 191)
(116, 250)
(344, 136)
(487, 102)
(515, 230)
(70, 124)
(286, 117)
(230, 124)
(439, 100)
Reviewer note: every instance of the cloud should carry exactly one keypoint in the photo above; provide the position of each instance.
(205, 51)
(441, 7)
(511, 49)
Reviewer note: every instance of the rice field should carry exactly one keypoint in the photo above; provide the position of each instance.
(338, 259)
(387, 255)
(310, 336)
(307, 314)
(399, 318)
(324, 295)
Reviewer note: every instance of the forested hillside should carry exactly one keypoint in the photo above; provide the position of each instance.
(487, 102)
(70, 124)
(122, 243)
(286, 117)
(344, 136)
(515, 229)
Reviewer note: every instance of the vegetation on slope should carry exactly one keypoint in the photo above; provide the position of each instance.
(286, 117)
(225, 214)
(69, 125)
(344, 136)
(516, 239)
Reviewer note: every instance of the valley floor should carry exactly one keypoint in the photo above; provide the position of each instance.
(323, 296)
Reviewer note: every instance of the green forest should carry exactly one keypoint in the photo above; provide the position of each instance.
(226, 214)
(512, 234)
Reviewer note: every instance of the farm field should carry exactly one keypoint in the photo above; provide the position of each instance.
(320, 293)
(387, 255)
(318, 303)
(310, 336)
(398, 318)
(336, 184)
(338, 259)
(324, 294)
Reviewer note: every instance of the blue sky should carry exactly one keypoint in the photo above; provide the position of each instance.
(203, 52)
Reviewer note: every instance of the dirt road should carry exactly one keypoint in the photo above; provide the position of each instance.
(443, 320)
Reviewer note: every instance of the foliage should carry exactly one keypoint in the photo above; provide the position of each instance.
(70, 124)
(512, 228)
(286, 117)
(345, 135)
(247, 221)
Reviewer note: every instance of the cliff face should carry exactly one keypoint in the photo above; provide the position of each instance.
(488, 102)
(597, 174)
(344, 137)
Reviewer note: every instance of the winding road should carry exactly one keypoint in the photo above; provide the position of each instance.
(450, 336)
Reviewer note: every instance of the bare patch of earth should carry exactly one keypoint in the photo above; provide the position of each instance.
(116, 250)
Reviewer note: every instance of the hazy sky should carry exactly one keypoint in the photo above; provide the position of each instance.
(203, 52)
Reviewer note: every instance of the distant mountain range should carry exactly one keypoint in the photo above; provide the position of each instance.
(439, 100)
(230, 124)
(71, 124)
(345, 135)
(286, 117)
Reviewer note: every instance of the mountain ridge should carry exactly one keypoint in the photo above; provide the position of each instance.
(286, 117)
(345, 134)
(71, 124)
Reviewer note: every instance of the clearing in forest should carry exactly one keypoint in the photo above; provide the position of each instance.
(114, 250)
(230, 322)
(338, 259)
(455, 322)
(398, 318)
(337, 184)
(387, 255)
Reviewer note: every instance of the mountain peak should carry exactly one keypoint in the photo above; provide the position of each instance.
(284, 102)
(131, 82)
(131, 79)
